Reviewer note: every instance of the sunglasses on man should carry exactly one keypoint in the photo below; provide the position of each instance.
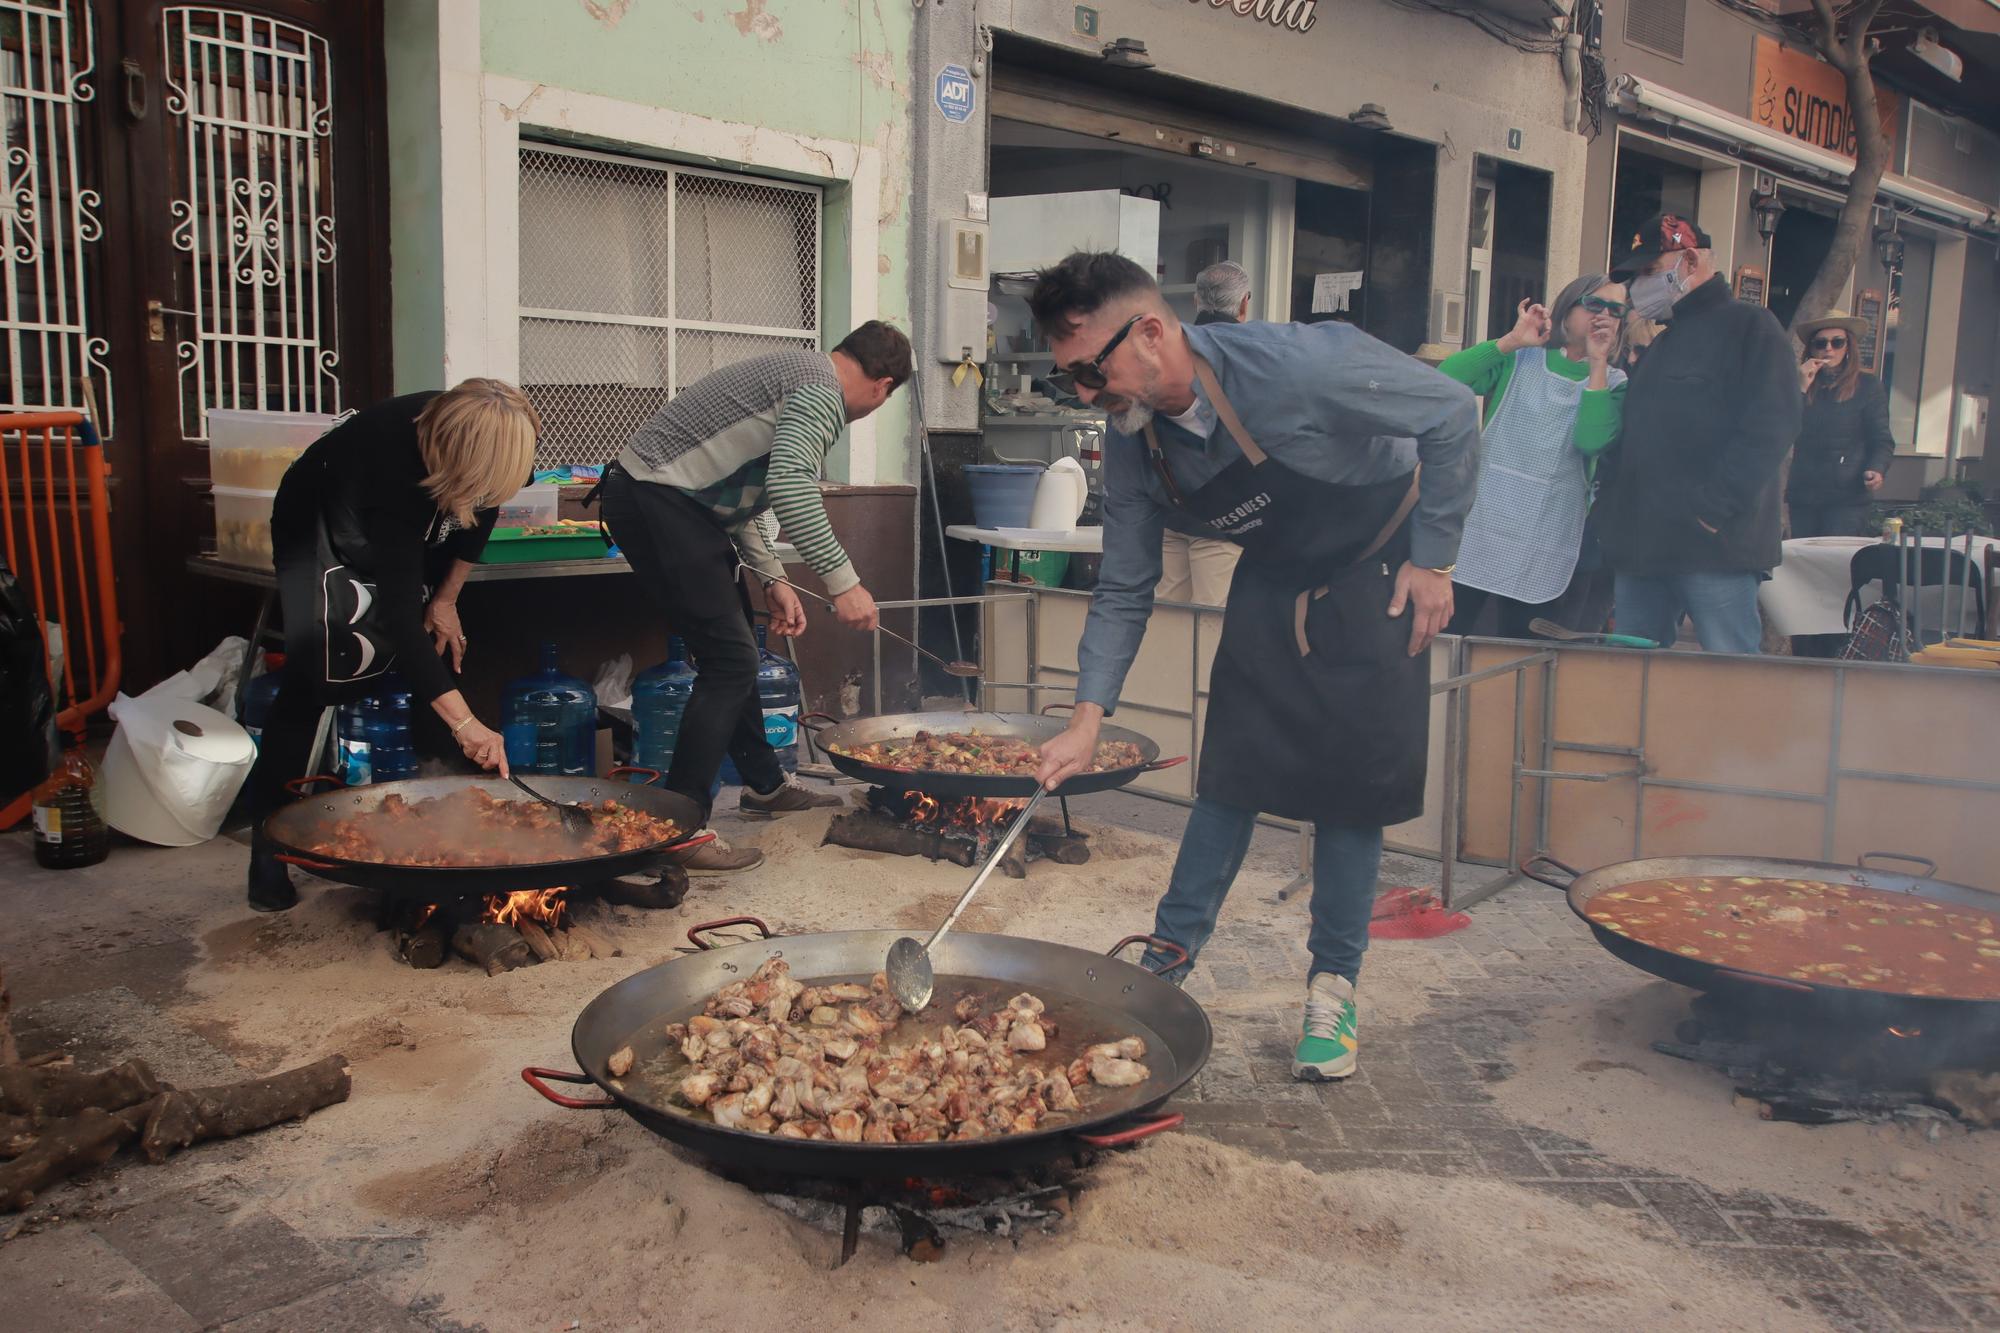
(1598, 305)
(1829, 343)
(1090, 374)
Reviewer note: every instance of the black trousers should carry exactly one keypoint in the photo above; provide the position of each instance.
(687, 564)
(1811, 519)
(1467, 603)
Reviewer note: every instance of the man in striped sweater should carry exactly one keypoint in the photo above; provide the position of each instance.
(704, 485)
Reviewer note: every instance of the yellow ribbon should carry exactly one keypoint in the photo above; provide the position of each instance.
(967, 367)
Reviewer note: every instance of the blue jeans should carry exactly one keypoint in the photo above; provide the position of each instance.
(1346, 863)
(1722, 606)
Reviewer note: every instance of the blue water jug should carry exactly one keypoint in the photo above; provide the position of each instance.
(549, 721)
(262, 695)
(391, 755)
(778, 697)
(659, 698)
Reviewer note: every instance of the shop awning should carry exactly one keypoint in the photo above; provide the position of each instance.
(1637, 96)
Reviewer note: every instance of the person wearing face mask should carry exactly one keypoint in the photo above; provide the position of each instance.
(1690, 523)
(1550, 411)
(1298, 443)
(1844, 445)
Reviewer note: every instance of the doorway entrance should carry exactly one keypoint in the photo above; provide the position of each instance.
(1798, 248)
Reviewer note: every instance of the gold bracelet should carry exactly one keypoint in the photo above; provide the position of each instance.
(461, 724)
(1444, 569)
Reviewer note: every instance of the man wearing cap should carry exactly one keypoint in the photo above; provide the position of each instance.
(1691, 524)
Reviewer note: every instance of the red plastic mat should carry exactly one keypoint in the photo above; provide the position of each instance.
(1413, 914)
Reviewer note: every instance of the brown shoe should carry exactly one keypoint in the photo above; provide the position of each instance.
(717, 858)
(790, 797)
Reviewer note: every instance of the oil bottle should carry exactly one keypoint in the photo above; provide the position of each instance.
(68, 830)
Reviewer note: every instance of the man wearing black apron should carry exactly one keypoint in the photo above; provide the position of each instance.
(1301, 444)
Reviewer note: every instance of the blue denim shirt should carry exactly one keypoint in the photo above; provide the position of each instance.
(1326, 400)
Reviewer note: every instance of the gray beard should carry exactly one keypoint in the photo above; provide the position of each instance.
(1132, 420)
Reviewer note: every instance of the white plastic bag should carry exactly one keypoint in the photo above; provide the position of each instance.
(174, 765)
(614, 682)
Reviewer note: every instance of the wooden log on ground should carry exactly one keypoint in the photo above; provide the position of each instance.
(9, 1052)
(866, 831)
(1014, 865)
(54, 1091)
(426, 946)
(595, 940)
(169, 1121)
(17, 1135)
(1057, 848)
(539, 941)
(495, 947)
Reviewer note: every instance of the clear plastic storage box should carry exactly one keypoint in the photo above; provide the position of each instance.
(243, 526)
(251, 450)
(531, 507)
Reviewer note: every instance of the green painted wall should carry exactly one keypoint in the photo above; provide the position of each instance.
(832, 69)
(416, 195)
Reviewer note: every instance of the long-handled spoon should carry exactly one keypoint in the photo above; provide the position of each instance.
(575, 819)
(966, 670)
(911, 980)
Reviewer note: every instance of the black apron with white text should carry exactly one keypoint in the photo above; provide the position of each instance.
(1316, 709)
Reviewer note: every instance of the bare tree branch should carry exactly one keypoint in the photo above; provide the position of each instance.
(1848, 52)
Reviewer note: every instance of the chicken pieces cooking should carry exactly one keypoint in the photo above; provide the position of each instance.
(776, 1056)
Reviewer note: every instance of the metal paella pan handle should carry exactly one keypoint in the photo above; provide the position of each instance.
(696, 932)
(1930, 866)
(534, 1074)
(1120, 1138)
(652, 774)
(1528, 868)
(1180, 955)
(303, 787)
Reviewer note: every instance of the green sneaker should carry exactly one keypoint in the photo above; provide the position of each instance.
(1329, 1048)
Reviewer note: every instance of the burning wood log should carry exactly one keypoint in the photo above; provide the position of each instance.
(595, 941)
(1014, 865)
(538, 940)
(169, 1120)
(866, 831)
(427, 945)
(495, 947)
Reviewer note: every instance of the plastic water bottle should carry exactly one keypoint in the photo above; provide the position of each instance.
(778, 697)
(659, 698)
(778, 694)
(351, 730)
(391, 755)
(549, 721)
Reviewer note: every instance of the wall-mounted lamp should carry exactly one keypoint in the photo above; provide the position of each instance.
(1889, 248)
(1127, 53)
(1370, 116)
(1768, 209)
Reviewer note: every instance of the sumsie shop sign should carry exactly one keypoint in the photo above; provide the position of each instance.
(1297, 15)
(1804, 98)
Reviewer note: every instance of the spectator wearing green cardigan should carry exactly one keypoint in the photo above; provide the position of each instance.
(1554, 402)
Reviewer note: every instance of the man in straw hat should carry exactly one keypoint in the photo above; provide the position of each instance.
(1690, 524)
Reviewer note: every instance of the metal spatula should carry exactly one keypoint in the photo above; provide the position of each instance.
(575, 819)
(910, 977)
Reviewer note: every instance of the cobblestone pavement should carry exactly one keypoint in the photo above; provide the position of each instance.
(1422, 1103)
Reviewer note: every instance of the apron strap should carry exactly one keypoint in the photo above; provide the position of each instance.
(1227, 413)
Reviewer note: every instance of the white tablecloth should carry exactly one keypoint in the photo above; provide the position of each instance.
(1805, 594)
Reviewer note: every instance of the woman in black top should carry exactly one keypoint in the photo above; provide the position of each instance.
(1844, 443)
(374, 530)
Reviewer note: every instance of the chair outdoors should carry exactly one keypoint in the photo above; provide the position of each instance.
(1922, 567)
(55, 534)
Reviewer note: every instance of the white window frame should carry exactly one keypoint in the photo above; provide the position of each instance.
(483, 119)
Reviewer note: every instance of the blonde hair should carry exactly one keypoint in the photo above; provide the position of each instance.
(478, 440)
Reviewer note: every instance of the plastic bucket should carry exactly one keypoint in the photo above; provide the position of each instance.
(1003, 494)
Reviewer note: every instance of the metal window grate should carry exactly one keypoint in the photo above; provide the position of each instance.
(1657, 25)
(638, 278)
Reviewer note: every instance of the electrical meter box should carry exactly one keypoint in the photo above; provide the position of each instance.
(963, 277)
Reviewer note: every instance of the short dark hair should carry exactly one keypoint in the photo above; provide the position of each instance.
(1083, 284)
(881, 350)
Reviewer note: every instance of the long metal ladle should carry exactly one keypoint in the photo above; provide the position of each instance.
(964, 670)
(911, 980)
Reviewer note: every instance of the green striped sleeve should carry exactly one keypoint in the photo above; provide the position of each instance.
(809, 424)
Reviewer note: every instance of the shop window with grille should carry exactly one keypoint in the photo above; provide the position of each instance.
(639, 277)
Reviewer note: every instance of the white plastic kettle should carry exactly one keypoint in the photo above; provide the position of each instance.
(1059, 497)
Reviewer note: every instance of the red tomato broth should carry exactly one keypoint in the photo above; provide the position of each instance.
(1809, 931)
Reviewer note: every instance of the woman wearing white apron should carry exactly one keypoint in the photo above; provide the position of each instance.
(1550, 411)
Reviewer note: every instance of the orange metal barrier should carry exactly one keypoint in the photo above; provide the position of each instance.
(55, 532)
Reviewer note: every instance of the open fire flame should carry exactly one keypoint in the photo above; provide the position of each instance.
(973, 816)
(544, 907)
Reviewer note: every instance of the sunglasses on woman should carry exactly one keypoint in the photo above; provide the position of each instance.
(1090, 374)
(1829, 344)
(1598, 305)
